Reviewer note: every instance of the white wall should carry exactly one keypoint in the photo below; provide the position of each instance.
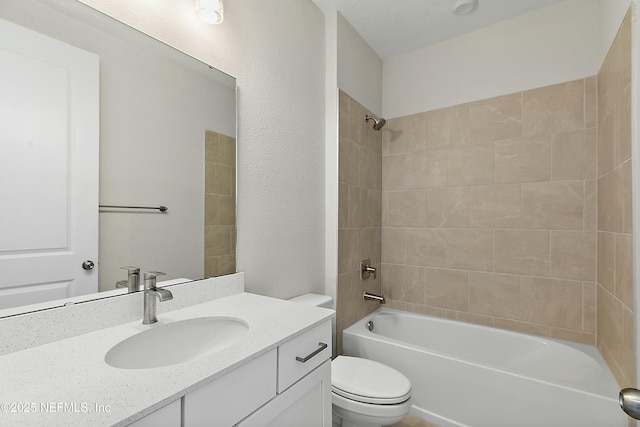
(355, 68)
(331, 154)
(276, 52)
(359, 68)
(554, 44)
(611, 15)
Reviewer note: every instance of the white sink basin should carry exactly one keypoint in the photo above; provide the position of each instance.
(177, 342)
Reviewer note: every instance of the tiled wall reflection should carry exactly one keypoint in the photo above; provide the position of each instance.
(220, 204)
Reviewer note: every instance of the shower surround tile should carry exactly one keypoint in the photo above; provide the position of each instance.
(510, 207)
(448, 207)
(496, 295)
(614, 326)
(496, 118)
(360, 200)
(564, 271)
(556, 108)
(526, 159)
(553, 205)
(448, 127)
(495, 206)
(574, 155)
(471, 165)
(524, 252)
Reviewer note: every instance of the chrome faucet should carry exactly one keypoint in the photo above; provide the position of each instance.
(150, 295)
(133, 279)
(366, 269)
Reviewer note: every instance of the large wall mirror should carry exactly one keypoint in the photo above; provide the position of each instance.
(95, 113)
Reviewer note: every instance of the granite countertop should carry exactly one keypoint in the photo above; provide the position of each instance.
(68, 383)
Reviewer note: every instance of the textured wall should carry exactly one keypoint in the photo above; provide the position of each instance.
(615, 252)
(276, 54)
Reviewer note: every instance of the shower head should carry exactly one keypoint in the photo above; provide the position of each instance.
(378, 123)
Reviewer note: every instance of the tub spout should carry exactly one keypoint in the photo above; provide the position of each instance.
(373, 297)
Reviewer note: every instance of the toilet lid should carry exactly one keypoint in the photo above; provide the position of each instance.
(368, 381)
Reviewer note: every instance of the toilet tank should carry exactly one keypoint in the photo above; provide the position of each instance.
(315, 300)
(323, 301)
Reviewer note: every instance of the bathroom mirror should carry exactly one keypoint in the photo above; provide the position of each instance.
(167, 134)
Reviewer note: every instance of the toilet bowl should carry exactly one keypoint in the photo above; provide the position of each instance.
(364, 393)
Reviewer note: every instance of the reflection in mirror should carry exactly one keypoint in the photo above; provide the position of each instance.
(161, 127)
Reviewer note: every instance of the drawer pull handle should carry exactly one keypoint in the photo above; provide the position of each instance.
(318, 350)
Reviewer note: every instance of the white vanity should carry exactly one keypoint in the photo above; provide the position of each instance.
(277, 373)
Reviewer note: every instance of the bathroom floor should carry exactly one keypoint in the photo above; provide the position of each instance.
(410, 421)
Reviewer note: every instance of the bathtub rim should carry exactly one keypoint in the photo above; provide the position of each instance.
(359, 329)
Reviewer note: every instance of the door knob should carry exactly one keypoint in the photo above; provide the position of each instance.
(630, 402)
(88, 265)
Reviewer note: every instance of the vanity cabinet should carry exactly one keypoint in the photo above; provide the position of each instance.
(289, 386)
(307, 403)
(233, 396)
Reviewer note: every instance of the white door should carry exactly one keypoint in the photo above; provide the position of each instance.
(49, 136)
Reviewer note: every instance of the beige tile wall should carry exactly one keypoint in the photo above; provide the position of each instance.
(614, 269)
(360, 207)
(512, 212)
(220, 204)
(489, 211)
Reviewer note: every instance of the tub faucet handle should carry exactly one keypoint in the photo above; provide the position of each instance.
(366, 269)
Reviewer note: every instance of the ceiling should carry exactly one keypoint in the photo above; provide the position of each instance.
(391, 27)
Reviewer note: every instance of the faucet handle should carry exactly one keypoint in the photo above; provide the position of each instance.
(150, 279)
(366, 269)
(153, 274)
(133, 278)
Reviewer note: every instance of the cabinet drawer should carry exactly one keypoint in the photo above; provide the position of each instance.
(299, 356)
(233, 396)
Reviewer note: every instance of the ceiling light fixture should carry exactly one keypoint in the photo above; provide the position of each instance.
(464, 7)
(210, 11)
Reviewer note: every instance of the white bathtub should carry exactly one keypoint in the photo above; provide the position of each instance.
(475, 376)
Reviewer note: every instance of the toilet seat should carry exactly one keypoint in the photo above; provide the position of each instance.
(367, 381)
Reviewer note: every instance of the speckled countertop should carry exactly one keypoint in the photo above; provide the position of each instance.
(73, 373)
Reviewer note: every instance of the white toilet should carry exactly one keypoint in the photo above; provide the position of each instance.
(364, 393)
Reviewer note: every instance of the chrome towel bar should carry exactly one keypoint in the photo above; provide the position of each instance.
(160, 208)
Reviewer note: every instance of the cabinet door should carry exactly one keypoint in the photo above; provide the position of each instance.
(306, 403)
(167, 416)
(233, 396)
